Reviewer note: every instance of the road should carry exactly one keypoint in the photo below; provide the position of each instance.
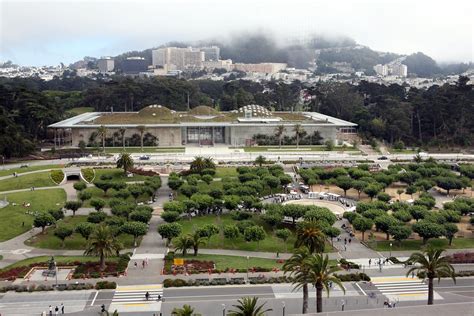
(213, 300)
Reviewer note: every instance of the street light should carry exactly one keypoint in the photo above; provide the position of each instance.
(223, 309)
(284, 307)
(390, 249)
(248, 268)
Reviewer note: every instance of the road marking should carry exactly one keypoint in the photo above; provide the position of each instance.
(363, 292)
(95, 296)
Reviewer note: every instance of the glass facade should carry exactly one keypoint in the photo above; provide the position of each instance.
(205, 135)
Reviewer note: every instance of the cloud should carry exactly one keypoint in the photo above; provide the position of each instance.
(48, 32)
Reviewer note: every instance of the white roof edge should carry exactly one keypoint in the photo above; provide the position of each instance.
(335, 121)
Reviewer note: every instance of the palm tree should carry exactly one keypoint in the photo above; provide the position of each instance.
(186, 310)
(433, 265)
(260, 160)
(198, 164)
(183, 243)
(279, 131)
(209, 163)
(125, 162)
(102, 132)
(247, 306)
(122, 135)
(297, 265)
(298, 129)
(309, 234)
(141, 129)
(102, 243)
(321, 274)
(196, 241)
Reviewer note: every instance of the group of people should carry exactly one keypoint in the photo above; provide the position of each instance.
(280, 199)
(56, 310)
(144, 263)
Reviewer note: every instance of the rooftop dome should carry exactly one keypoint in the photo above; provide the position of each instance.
(256, 110)
(156, 111)
(203, 110)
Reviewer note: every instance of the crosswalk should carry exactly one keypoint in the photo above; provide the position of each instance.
(132, 298)
(402, 288)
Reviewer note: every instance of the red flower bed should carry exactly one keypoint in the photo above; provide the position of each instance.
(462, 257)
(193, 266)
(141, 172)
(20, 272)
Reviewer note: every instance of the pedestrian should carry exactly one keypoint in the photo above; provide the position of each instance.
(147, 295)
(56, 311)
(278, 254)
(345, 241)
(413, 275)
(23, 224)
(143, 264)
(343, 303)
(370, 261)
(350, 239)
(62, 308)
(50, 310)
(345, 248)
(135, 264)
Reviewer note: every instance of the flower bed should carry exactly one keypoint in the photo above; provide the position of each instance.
(57, 176)
(224, 281)
(141, 172)
(462, 257)
(88, 174)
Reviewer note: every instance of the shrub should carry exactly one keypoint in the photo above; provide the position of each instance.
(352, 277)
(79, 186)
(57, 176)
(239, 216)
(105, 285)
(96, 217)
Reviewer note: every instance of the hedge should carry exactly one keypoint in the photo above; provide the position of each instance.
(88, 174)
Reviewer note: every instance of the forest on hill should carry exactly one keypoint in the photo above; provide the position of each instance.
(436, 116)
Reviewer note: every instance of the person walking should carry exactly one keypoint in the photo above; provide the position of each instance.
(135, 264)
(147, 295)
(343, 304)
(345, 241)
(143, 264)
(56, 311)
(350, 239)
(370, 262)
(50, 310)
(62, 308)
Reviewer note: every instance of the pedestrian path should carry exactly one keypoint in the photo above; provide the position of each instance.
(131, 298)
(401, 288)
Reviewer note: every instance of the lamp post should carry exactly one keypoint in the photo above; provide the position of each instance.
(283, 307)
(223, 309)
(56, 272)
(248, 268)
(390, 249)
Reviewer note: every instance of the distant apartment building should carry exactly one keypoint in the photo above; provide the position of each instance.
(134, 65)
(212, 53)
(269, 68)
(176, 58)
(218, 64)
(399, 70)
(381, 70)
(105, 64)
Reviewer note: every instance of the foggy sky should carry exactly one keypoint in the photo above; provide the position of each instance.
(38, 32)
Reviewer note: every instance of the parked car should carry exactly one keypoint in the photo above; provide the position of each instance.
(383, 158)
(144, 157)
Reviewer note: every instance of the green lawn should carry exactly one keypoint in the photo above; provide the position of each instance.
(9, 172)
(118, 174)
(222, 172)
(12, 217)
(269, 244)
(41, 179)
(293, 148)
(75, 242)
(458, 243)
(59, 260)
(118, 150)
(234, 262)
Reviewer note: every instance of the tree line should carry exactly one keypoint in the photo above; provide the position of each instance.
(435, 116)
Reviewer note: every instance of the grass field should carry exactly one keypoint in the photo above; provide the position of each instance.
(458, 243)
(222, 172)
(118, 150)
(222, 262)
(8, 172)
(270, 244)
(118, 174)
(59, 260)
(12, 217)
(293, 148)
(37, 180)
(74, 242)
